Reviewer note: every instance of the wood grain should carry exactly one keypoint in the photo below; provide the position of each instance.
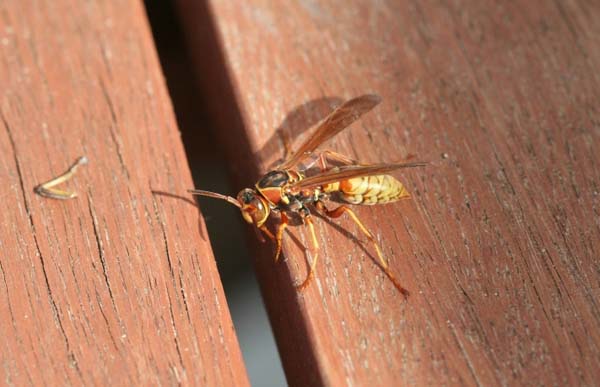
(500, 243)
(119, 285)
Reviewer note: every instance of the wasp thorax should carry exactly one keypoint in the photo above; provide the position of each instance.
(273, 179)
(254, 209)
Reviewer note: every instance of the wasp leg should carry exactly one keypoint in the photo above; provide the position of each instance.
(308, 221)
(287, 148)
(323, 156)
(266, 231)
(336, 213)
(279, 235)
(333, 156)
(342, 159)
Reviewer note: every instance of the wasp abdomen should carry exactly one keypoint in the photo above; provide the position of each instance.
(367, 190)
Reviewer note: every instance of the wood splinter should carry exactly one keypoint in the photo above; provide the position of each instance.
(46, 189)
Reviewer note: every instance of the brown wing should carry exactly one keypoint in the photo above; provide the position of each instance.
(350, 171)
(334, 123)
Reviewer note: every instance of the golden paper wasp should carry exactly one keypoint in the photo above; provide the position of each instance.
(306, 179)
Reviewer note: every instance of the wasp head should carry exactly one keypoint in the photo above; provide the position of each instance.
(255, 209)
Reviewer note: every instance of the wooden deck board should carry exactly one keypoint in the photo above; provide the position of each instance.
(118, 286)
(499, 244)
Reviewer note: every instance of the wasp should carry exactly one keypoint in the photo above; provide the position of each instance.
(307, 178)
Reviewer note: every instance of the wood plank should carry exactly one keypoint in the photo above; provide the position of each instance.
(117, 286)
(500, 243)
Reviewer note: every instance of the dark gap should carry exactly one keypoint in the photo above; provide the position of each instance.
(205, 155)
(211, 172)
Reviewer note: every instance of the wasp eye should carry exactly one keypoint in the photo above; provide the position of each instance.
(253, 208)
(247, 196)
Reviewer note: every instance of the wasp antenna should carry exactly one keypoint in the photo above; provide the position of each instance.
(215, 195)
(414, 164)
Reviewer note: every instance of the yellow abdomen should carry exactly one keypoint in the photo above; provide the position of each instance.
(367, 190)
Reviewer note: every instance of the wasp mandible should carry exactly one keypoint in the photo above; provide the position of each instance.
(294, 188)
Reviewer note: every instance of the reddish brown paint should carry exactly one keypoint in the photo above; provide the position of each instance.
(499, 244)
(117, 286)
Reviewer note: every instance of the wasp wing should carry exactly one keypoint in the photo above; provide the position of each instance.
(334, 123)
(348, 172)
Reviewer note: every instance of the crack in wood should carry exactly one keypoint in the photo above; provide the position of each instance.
(53, 305)
(174, 280)
(101, 255)
(115, 124)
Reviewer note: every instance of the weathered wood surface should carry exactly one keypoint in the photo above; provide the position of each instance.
(119, 285)
(500, 243)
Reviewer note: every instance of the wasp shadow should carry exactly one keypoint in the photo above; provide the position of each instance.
(296, 221)
(187, 200)
(362, 244)
(296, 122)
(175, 196)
